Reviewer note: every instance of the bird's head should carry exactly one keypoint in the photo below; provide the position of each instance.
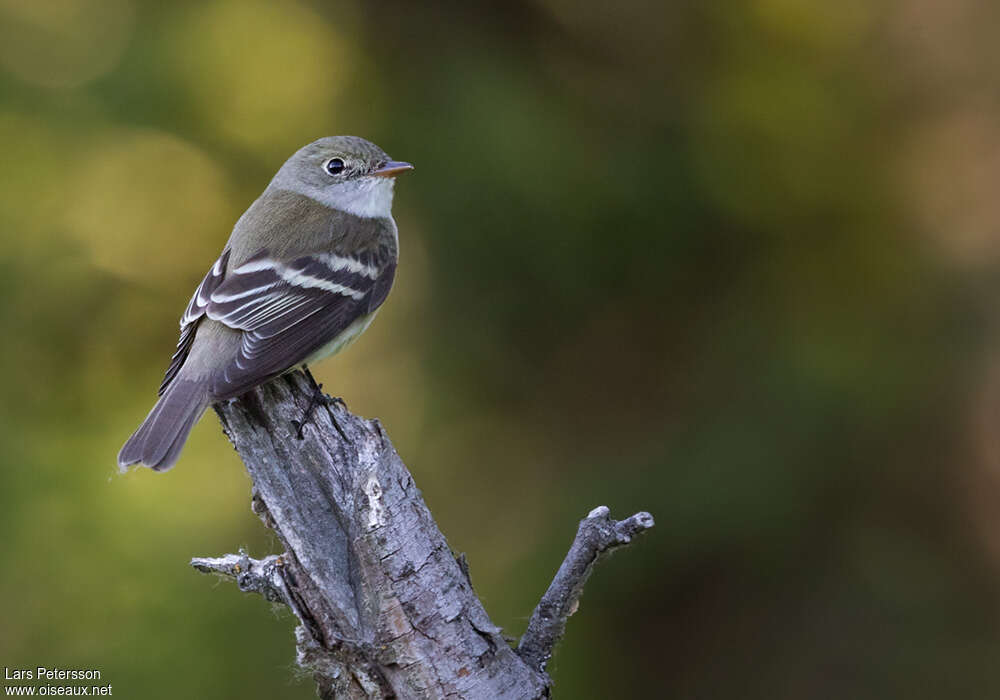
(343, 172)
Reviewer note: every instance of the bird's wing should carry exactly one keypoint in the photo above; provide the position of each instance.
(193, 314)
(287, 310)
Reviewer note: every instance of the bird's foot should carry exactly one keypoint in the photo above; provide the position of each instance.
(316, 400)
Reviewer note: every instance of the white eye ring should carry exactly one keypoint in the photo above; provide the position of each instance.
(334, 166)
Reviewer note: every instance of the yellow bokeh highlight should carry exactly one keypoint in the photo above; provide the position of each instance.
(63, 43)
(819, 25)
(29, 192)
(148, 206)
(263, 72)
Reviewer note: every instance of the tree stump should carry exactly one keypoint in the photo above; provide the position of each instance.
(385, 609)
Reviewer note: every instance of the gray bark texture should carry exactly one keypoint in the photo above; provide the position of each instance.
(385, 609)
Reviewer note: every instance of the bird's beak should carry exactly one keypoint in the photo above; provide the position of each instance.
(392, 169)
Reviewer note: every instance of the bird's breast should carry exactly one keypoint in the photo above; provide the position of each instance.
(341, 341)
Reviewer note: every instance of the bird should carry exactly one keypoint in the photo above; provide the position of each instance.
(303, 274)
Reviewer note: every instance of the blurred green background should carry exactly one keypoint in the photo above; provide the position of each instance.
(734, 263)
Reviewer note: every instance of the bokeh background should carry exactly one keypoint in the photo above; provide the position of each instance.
(735, 263)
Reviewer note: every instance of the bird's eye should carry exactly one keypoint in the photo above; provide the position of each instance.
(335, 166)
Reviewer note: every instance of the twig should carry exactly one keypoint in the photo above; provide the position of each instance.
(261, 576)
(597, 535)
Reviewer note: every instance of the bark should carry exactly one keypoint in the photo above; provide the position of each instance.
(385, 609)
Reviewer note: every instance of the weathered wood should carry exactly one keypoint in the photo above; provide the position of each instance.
(385, 609)
(597, 536)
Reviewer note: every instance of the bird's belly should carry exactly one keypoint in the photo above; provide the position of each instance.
(346, 337)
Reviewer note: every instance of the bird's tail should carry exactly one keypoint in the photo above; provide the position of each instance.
(159, 440)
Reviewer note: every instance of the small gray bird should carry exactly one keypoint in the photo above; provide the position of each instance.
(302, 275)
